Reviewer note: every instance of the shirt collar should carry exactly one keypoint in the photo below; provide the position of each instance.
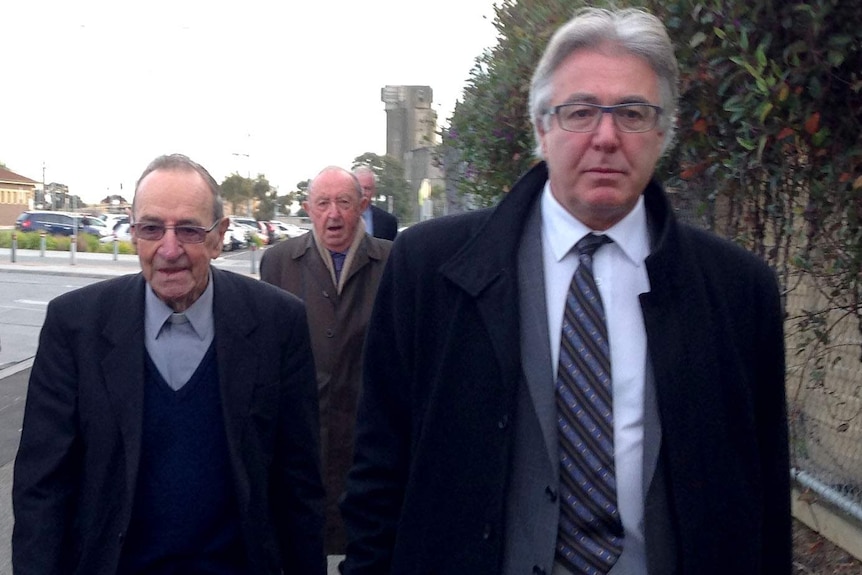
(563, 230)
(199, 314)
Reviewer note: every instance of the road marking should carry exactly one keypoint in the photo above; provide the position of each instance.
(31, 302)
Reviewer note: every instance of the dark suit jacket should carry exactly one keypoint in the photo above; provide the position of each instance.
(427, 491)
(77, 464)
(385, 224)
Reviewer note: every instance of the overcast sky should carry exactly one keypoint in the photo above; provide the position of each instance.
(95, 89)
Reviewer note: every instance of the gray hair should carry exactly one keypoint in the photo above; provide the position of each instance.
(329, 169)
(359, 170)
(632, 30)
(181, 163)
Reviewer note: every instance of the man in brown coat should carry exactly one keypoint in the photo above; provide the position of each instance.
(335, 270)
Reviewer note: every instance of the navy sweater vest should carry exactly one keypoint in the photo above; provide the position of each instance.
(185, 517)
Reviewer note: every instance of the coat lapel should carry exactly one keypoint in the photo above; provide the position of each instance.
(123, 369)
(487, 270)
(535, 346)
(236, 354)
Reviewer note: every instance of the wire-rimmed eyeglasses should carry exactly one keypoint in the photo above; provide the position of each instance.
(584, 117)
(186, 234)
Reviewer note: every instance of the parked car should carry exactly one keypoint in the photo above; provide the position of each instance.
(95, 226)
(55, 223)
(121, 232)
(113, 220)
(286, 230)
(234, 238)
(250, 225)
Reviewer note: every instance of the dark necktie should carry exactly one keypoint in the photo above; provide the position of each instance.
(337, 263)
(590, 536)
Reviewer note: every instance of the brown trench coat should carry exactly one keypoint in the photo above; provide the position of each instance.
(337, 323)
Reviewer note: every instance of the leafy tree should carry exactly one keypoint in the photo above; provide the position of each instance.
(237, 191)
(265, 195)
(302, 189)
(490, 128)
(285, 203)
(391, 184)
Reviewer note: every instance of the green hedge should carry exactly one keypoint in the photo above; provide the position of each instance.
(86, 243)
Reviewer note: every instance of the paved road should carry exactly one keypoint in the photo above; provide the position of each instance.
(13, 387)
(15, 371)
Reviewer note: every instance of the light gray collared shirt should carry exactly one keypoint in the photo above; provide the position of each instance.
(368, 218)
(177, 345)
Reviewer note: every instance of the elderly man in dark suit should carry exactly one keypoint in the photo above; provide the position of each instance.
(335, 269)
(378, 223)
(573, 382)
(171, 423)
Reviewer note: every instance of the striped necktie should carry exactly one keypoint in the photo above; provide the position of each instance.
(590, 534)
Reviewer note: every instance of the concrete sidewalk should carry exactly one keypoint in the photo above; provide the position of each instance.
(99, 265)
(63, 263)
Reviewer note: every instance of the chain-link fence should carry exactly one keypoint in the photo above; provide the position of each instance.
(824, 392)
(824, 381)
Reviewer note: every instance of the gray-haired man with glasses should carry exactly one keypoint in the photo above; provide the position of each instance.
(171, 423)
(573, 382)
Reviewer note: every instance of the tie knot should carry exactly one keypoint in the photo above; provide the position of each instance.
(588, 244)
(178, 318)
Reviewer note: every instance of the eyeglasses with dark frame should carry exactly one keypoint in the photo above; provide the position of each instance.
(584, 117)
(186, 234)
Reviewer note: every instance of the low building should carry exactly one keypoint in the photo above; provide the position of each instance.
(17, 194)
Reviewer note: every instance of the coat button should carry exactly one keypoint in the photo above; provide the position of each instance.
(486, 531)
(121, 537)
(552, 495)
(326, 294)
(329, 333)
(504, 422)
(538, 570)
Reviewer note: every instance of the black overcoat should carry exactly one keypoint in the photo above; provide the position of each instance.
(434, 437)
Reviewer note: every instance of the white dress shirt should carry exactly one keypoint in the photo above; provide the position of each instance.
(621, 277)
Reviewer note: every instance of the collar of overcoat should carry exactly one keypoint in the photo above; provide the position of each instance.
(363, 249)
(486, 266)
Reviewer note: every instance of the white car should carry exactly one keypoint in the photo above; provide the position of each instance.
(250, 225)
(235, 238)
(113, 220)
(288, 230)
(121, 233)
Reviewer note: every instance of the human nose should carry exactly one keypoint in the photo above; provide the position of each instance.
(332, 210)
(606, 134)
(170, 246)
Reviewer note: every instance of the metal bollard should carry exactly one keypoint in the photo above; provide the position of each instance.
(14, 246)
(73, 249)
(252, 248)
(42, 243)
(116, 248)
